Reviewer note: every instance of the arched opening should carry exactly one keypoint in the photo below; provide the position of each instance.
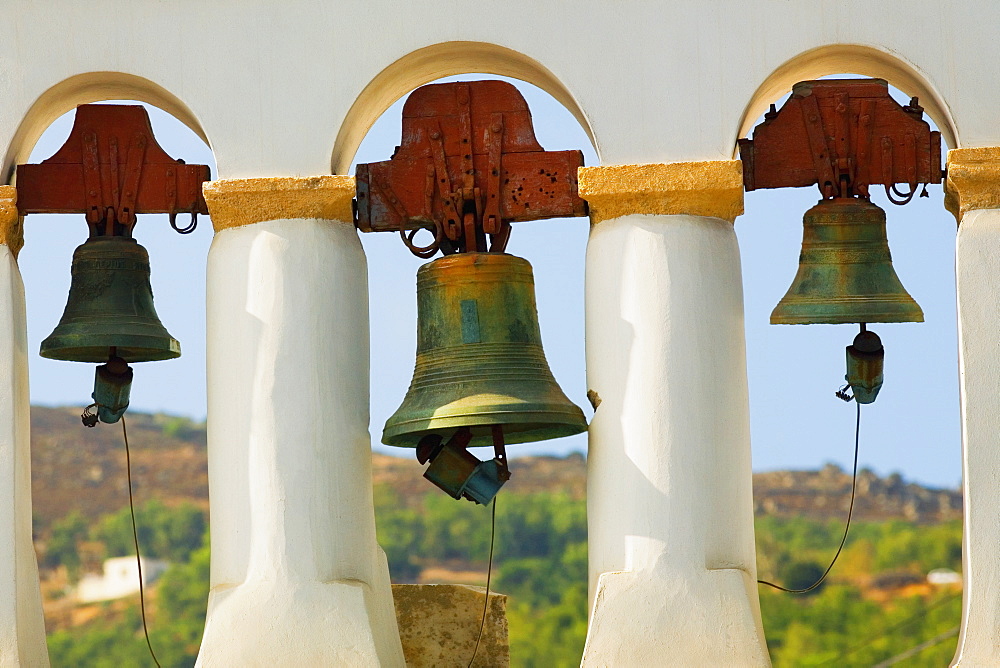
(435, 62)
(859, 60)
(803, 436)
(428, 536)
(85, 89)
(80, 493)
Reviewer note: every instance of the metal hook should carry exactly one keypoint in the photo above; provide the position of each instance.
(184, 230)
(89, 419)
(904, 198)
(424, 252)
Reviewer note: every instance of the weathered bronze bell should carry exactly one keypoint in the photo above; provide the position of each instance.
(845, 270)
(110, 309)
(479, 357)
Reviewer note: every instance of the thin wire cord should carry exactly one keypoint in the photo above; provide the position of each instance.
(850, 512)
(489, 573)
(135, 536)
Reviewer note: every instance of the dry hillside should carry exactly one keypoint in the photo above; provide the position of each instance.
(78, 468)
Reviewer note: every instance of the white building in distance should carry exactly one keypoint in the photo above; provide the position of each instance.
(119, 579)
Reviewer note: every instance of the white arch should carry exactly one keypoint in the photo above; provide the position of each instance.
(434, 62)
(85, 89)
(858, 59)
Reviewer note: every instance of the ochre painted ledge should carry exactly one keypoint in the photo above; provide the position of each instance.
(11, 227)
(711, 188)
(238, 202)
(973, 180)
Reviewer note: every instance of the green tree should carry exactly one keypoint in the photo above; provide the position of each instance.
(61, 547)
(802, 575)
(164, 533)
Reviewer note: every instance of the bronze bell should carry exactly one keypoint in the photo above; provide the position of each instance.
(845, 271)
(480, 363)
(110, 310)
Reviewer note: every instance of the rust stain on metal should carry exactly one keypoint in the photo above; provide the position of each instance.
(467, 167)
(843, 135)
(111, 168)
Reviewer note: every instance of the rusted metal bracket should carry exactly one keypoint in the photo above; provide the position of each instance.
(843, 135)
(468, 166)
(111, 168)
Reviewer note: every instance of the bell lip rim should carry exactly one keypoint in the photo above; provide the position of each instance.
(845, 320)
(129, 360)
(882, 310)
(49, 346)
(563, 429)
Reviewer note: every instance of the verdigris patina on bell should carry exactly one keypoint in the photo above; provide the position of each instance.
(845, 271)
(110, 306)
(479, 357)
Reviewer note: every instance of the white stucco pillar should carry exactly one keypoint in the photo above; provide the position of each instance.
(973, 194)
(297, 577)
(670, 508)
(22, 627)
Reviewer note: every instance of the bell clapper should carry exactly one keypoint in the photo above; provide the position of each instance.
(460, 473)
(112, 387)
(865, 359)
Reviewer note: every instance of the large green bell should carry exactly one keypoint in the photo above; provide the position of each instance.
(845, 270)
(110, 307)
(479, 357)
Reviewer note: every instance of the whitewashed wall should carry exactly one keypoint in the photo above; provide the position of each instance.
(272, 84)
(289, 88)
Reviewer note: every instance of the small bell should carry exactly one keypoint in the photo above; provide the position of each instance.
(845, 271)
(110, 306)
(112, 387)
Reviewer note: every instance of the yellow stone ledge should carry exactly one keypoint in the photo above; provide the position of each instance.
(11, 227)
(238, 202)
(973, 180)
(711, 188)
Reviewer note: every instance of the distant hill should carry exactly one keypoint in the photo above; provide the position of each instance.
(825, 494)
(84, 469)
(73, 467)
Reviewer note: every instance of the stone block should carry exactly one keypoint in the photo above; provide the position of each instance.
(439, 624)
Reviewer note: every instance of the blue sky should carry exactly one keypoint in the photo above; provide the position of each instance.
(796, 422)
